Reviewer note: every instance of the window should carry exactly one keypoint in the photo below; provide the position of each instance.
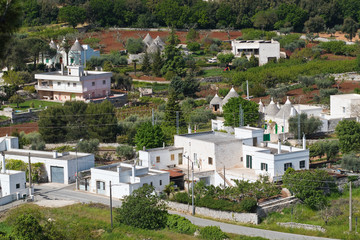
(100, 185)
(104, 82)
(264, 167)
(248, 161)
(158, 159)
(160, 182)
(344, 109)
(302, 164)
(180, 158)
(287, 165)
(195, 158)
(17, 185)
(59, 83)
(172, 157)
(151, 184)
(47, 60)
(68, 84)
(210, 161)
(74, 84)
(93, 83)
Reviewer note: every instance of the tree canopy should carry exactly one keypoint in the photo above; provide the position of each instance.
(308, 126)
(143, 209)
(232, 112)
(348, 132)
(149, 136)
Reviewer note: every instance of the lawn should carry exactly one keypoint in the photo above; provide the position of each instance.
(155, 86)
(91, 221)
(213, 72)
(25, 105)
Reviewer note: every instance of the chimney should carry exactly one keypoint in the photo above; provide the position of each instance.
(279, 146)
(278, 105)
(118, 168)
(3, 169)
(163, 144)
(133, 174)
(189, 129)
(304, 142)
(290, 148)
(55, 154)
(144, 148)
(62, 69)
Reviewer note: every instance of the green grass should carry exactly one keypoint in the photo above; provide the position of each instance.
(214, 72)
(155, 86)
(337, 226)
(25, 105)
(92, 221)
(3, 118)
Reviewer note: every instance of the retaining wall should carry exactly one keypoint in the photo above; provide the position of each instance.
(223, 215)
(301, 225)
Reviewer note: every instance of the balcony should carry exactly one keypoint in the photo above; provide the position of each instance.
(44, 87)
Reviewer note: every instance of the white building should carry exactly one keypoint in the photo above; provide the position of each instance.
(216, 104)
(243, 155)
(277, 115)
(85, 52)
(345, 105)
(126, 178)
(264, 50)
(11, 182)
(59, 167)
(161, 158)
(73, 84)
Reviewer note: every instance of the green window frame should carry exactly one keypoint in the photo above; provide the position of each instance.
(248, 161)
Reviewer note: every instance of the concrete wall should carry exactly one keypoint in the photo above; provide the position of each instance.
(228, 154)
(343, 107)
(223, 215)
(85, 162)
(148, 158)
(9, 180)
(267, 50)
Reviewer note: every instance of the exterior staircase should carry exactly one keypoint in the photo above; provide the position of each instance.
(224, 178)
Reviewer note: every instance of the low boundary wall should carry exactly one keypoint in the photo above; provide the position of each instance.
(223, 215)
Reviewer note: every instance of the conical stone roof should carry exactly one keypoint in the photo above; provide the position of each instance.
(285, 110)
(232, 93)
(52, 44)
(77, 46)
(271, 109)
(148, 40)
(158, 41)
(216, 100)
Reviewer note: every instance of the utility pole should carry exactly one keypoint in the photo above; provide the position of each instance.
(177, 122)
(111, 217)
(299, 130)
(241, 116)
(350, 209)
(247, 90)
(30, 193)
(152, 117)
(192, 189)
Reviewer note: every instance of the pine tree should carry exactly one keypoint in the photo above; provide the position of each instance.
(146, 65)
(171, 109)
(157, 64)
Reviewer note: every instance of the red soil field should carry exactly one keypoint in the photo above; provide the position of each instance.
(26, 127)
(114, 39)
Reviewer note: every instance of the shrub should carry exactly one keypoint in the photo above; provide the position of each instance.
(180, 224)
(248, 205)
(88, 146)
(143, 209)
(125, 151)
(64, 148)
(29, 89)
(193, 46)
(182, 197)
(212, 233)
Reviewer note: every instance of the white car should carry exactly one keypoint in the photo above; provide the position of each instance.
(212, 60)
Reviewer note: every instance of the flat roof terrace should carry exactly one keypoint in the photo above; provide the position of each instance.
(212, 137)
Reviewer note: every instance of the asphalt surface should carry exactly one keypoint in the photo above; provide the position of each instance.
(53, 191)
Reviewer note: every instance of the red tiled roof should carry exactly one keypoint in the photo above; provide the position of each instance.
(175, 172)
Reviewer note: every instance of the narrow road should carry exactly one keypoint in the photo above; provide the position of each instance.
(53, 191)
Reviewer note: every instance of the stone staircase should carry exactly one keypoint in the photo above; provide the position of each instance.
(226, 180)
(275, 205)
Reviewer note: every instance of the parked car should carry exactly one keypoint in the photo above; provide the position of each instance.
(212, 60)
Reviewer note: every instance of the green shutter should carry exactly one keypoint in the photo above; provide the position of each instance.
(266, 137)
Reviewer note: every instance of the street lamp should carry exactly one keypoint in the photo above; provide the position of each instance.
(77, 166)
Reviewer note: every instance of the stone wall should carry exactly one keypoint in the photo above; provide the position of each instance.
(303, 226)
(223, 215)
(276, 206)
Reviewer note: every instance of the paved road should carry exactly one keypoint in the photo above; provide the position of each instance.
(66, 192)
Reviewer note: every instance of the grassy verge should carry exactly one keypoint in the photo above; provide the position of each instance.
(337, 226)
(25, 105)
(92, 221)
